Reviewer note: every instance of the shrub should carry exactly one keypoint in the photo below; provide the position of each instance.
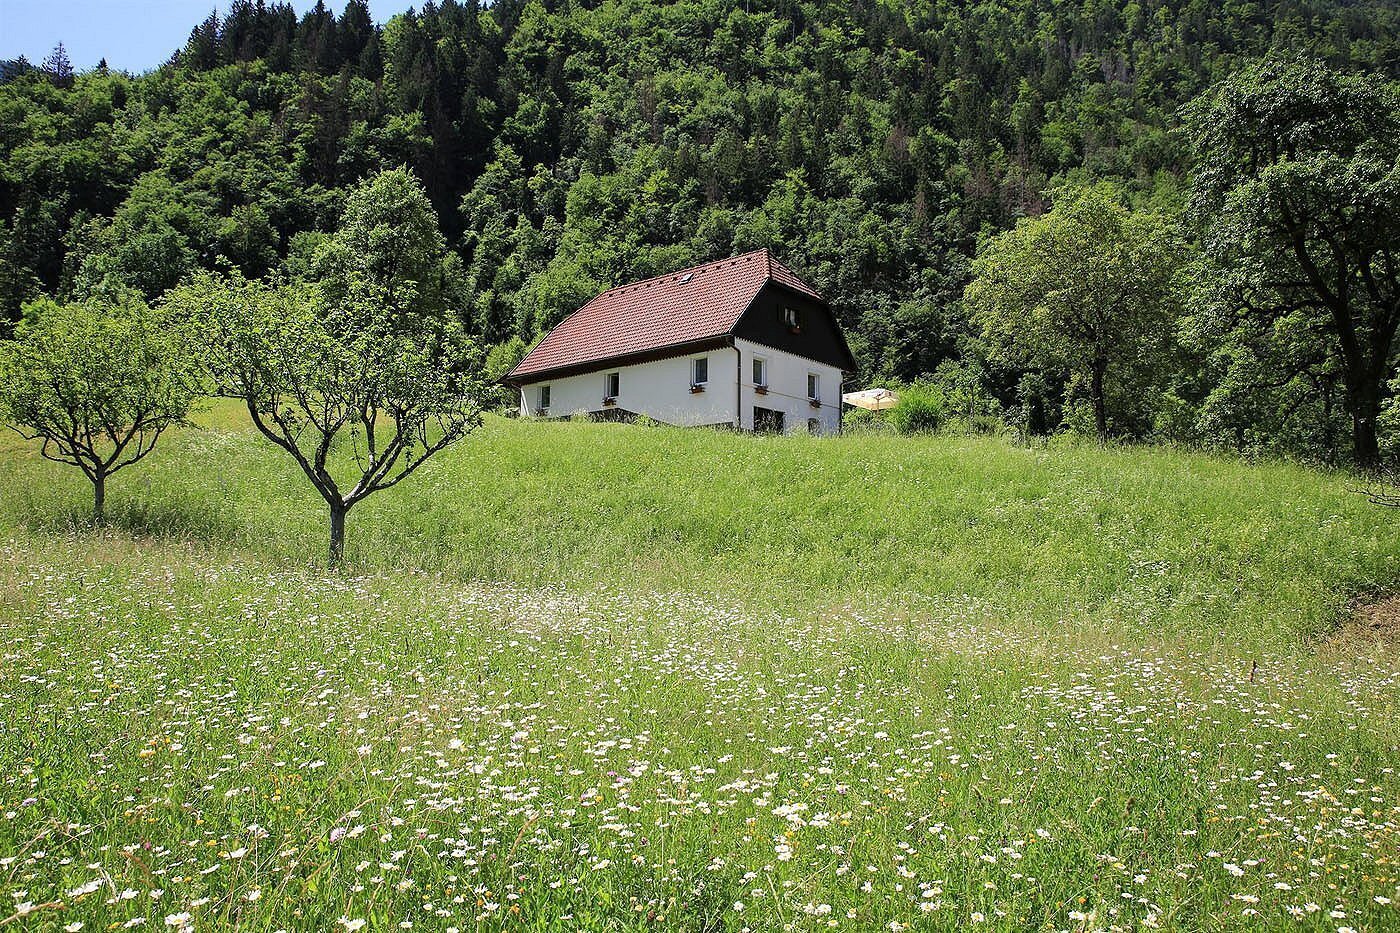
(921, 410)
(864, 421)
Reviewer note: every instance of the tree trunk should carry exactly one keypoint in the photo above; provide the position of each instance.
(99, 498)
(337, 551)
(1365, 409)
(1096, 374)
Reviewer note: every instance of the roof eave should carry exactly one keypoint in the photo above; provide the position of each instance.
(623, 359)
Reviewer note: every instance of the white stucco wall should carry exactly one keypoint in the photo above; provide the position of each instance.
(787, 389)
(661, 389)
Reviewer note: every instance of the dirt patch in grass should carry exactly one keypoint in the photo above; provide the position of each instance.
(1371, 621)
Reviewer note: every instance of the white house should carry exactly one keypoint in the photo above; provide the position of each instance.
(742, 343)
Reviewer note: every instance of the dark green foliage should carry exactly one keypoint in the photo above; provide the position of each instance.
(58, 68)
(1299, 173)
(567, 147)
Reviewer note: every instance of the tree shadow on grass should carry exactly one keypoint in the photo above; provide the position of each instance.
(166, 520)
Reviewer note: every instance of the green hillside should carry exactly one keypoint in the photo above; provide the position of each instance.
(1148, 538)
(577, 676)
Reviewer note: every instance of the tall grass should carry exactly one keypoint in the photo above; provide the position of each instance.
(604, 678)
(1145, 537)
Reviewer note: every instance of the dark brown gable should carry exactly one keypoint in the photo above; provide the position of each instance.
(817, 336)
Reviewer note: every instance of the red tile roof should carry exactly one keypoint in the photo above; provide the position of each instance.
(679, 308)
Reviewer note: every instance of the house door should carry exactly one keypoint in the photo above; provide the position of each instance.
(767, 421)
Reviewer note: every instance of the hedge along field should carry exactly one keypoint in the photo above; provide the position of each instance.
(654, 679)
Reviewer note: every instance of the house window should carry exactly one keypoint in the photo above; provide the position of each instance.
(767, 420)
(814, 425)
(700, 371)
(814, 387)
(760, 371)
(612, 382)
(544, 400)
(792, 318)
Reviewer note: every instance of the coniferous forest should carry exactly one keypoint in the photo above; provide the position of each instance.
(893, 152)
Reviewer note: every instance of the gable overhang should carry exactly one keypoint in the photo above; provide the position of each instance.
(848, 364)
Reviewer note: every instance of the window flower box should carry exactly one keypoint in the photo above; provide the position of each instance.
(609, 401)
(760, 390)
(814, 402)
(696, 388)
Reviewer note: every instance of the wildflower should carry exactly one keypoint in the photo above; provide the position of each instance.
(86, 888)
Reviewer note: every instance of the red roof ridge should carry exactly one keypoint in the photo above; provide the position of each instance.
(694, 270)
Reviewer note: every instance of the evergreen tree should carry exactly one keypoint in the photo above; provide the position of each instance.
(58, 68)
(202, 50)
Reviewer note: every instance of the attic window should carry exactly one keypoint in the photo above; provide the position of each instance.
(687, 277)
(792, 319)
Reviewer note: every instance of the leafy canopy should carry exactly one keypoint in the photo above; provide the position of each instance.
(358, 398)
(1089, 289)
(1298, 187)
(388, 242)
(360, 376)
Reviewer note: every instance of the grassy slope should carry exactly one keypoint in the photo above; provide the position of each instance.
(1151, 537)
(985, 681)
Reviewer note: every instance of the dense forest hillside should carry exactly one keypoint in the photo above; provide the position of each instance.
(570, 146)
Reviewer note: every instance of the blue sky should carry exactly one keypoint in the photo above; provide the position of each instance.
(134, 35)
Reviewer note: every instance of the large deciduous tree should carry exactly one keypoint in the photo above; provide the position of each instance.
(96, 383)
(1297, 185)
(1088, 290)
(389, 240)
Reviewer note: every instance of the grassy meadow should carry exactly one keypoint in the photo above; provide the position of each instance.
(605, 677)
